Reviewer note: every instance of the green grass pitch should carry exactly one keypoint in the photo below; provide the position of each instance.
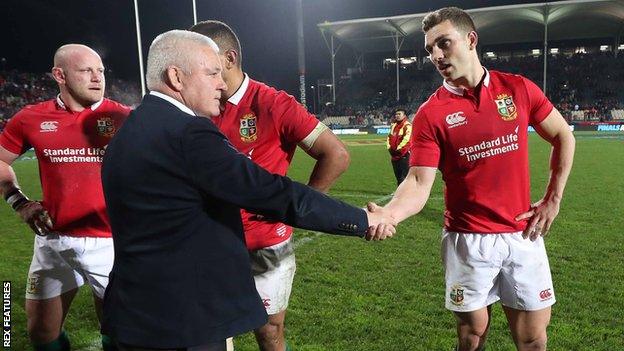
(355, 295)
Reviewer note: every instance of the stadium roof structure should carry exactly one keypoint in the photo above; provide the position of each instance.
(561, 20)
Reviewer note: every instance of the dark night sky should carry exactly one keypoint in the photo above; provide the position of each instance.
(33, 29)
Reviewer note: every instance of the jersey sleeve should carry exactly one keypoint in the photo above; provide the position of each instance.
(293, 121)
(425, 149)
(539, 105)
(120, 111)
(13, 137)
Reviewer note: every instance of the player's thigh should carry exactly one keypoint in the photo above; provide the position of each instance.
(274, 270)
(471, 264)
(474, 322)
(527, 326)
(51, 271)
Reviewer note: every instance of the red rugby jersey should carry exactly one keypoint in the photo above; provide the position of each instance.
(69, 148)
(478, 140)
(265, 124)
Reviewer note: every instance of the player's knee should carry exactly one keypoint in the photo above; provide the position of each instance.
(472, 338)
(272, 331)
(535, 343)
(39, 335)
(477, 331)
(471, 342)
(41, 332)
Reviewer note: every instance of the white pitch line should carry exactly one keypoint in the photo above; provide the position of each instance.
(307, 239)
(314, 234)
(94, 345)
(383, 198)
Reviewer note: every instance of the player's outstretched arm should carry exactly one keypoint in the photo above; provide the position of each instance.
(555, 130)
(411, 195)
(31, 212)
(332, 159)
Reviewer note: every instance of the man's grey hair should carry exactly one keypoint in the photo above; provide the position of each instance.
(172, 49)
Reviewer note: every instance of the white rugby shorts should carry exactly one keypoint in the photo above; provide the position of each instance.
(481, 269)
(274, 269)
(61, 263)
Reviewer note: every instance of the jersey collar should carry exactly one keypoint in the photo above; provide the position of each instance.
(61, 104)
(173, 101)
(460, 91)
(240, 92)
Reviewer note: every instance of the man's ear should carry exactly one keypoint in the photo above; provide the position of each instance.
(58, 75)
(231, 59)
(473, 39)
(173, 78)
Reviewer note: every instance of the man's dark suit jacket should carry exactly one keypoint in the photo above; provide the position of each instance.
(173, 186)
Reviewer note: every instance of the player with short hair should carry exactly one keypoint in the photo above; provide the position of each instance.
(73, 245)
(398, 144)
(474, 130)
(267, 125)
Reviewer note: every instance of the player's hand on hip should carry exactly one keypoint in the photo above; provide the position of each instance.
(540, 217)
(37, 217)
(381, 224)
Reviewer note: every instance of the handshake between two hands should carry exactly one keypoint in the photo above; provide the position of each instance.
(381, 224)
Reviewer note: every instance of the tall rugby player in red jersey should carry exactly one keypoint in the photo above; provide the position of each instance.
(267, 125)
(474, 130)
(73, 245)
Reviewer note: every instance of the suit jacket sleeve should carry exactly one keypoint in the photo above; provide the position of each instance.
(220, 171)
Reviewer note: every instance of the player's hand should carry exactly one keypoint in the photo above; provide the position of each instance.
(381, 224)
(541, 216)
(36, 216)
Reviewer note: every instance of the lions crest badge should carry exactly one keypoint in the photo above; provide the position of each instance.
(457, 295)
(32, 283)
(105, 127)
(506, 107)
(248, 128)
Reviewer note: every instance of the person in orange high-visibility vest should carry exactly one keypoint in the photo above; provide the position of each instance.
(398, 144)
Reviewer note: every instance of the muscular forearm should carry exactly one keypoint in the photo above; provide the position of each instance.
(561, 159)
(9, 188)
(327, 170)
(409, 198)
(8, 181)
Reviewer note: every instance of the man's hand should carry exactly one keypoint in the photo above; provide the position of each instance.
(33, 213)
(381, 224)
(540, 216)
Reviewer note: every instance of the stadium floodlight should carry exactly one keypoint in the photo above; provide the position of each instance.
(536, 51)
(621, 47)
(604, 47)
(580, 50)
(408, 60)
(490, 54)
(554, 50)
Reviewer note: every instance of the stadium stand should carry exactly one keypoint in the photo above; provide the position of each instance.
(18, 89)
(584, 87)
(583, 44)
